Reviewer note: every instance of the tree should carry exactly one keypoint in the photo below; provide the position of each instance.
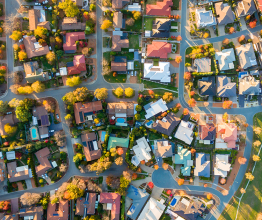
(138, 108)
(63, 167)
(129, 92)
(42, 42)
(16, 35)
(165, 166)
(68, 117)
(257, 143)
(18, 77)
(79, 95)
(29, 199)
(22, 55)
(119, 92)
(106, 24)
(50, 56)
(3, 107)
(60, 138)
(38, 87)
(25, 90)
(249, 176)
(168, 96)
(78, 157)
(156, 167)
(187, 76)
(70, 8)
(242, 190)
(96, 121)
(85, 51)
(242, 160)
(40, 31)
(231, 30)
(119, 161)
(241, 38)
(179, 38)
(209, 196)
(178, 59)
(192, 93)
(24, 109)
(206, 35)
(74, 191)
(136, 15)
(248, 17)
(49, 105)
(225, 116)
(256, 158)
(192, 102)
(192, 151)
(225, 41)
(180, 182)
(253, 24)
(137, 117)
(92, 7)
(73, 81)
(113, 182)
(227, 104)
(10, 129)
(128, 175)
(130, 21)
(100, 165)
(257, 130)
(120, 151)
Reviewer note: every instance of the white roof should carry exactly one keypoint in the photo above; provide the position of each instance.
(22, 168)
(220, 144)
(109, 206)
(157, 107)
(222, 166)
(63, 71)
(1, 154)
(120, 115)
(95, 145)
(152, 210)
(34, 120)
(42, 16)
(120, 33)
(142, 150)
(54, 164)
(10, 155)
(158, 73)
(37, 45)
(147, 33)
(135, 161)
(134, 7)
(130, 65)
(185, 202)
(44, 136)
(185, 132)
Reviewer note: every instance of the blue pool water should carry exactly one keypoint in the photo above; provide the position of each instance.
(34, 134)
(173, 202)
(120, 120)
(103, 134)
(149, 123)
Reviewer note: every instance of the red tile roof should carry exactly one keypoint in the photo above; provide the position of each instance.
(114, 199)
(118, 66)
(90, 207)
(160, 9)
(259, 4)
(79, 65)
(228, 133)
(42, 156)
(159, 49)
(94, 154)
(71, 39)
(61, 214)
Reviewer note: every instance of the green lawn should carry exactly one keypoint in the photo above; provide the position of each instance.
(159, 92)
(106, 56)
(151, 2)
(156, 62)
(251, 203)
(137, 27)
(175, 4)
(148, 23)
(150, 85)
(173, 23)
(133, 41)
(137, 65)
(201, 145)
(120, 78)
(66, 59)
(46, 65)
(105, 41)
(25, 25)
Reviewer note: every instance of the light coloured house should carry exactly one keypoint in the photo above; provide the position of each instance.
(226, 136)
(160, 73)
(183, 157)
(248, 85)
(185, 132)
(154, 108)
(142, 151)
(205, 18)
(225, 59)
(246, 54)
(222, 167)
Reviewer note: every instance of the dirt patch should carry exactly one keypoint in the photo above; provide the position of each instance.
(20, 186)
(178, 49)
(33, 182)
(174, 63)
(92, 43)
(133, 79)
(64, 80)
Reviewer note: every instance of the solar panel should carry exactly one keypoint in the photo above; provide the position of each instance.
(91, 146)
(22, 210)
(81, 116)
(44, 120)
(55, 214)
(84, 143)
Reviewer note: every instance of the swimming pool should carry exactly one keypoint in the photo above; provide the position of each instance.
(120, 120)
(103, 134)
(34, 133)
(173, 202)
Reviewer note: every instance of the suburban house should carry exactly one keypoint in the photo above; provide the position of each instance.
(72, 24)
(246, 54)
(163, 148)
(42, 157)
(152, 210)
(58, 211)
(183, 157)
(119, 40)
(167, 124)
(161, 28)
(160, 73)
(37, 18)
(119, 4)
(70, 41)
(33, 73)
(226, 135)
(259, 5)
(138, 199)
(118, 21)
(205, 18)
(185, 132)
(245, 7)
(249, 85)
(77, 66)
(112, 201)
(207, 132)
(225, 88)
(17, 173)
(35, 213)
(86, 206)
(142, 151)
(225, 59)
(33, 48)
(224, 13)
(92, 148)
(83, 110)
(202, 65)
(7, 119)
(119, 64)
(207, 86)
(162, 8)
(155, 108)
(158, 49)
(202, 167)
(40, 118)
(222, 167)
(114, 142)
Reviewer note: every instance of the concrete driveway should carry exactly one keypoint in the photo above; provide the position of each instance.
(221, 30)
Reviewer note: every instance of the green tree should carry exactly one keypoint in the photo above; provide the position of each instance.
(119, 92)
(70, 8)
(139, 108)
(92, 7)
(16, 35)
(25, 90)
(40, 31)
(78, 157)
(79, 95)
(101, 93)
(23, 111)
(50, 56)
(74, 191)
(38, 87)
(129, 92)
(45, 201)
(3, 107)
(14, 103)
(137, 117)
(55, 200)
(73, 81)
(10, 129)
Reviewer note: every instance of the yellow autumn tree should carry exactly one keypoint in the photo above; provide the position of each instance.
(106, 24)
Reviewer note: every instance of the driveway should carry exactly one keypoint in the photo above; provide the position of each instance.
(221, 30)
(53, 126)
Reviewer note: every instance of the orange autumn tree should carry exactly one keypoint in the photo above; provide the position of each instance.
(231, 30)
(151, 92)
(192, 93)
(209, 196)
(227, 104)
(178, 59)
(193, 151)
(67, 195)
(179, 38)
(134, 176)
(242, 160)
(180, 182)
(120, 151)
(253, 24)
(156, 167)
(114, 74)
(187, 75)
(186, 111)
(178, 105)
(142, 162)
(241, 38)
(192, 102)
(165, 166)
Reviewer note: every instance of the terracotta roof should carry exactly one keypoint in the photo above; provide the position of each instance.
(31, 50)
(71, 39)
(118, 19)
(114, 199)
(40, 111)
(259, 5)
(161, 8)
(119, 3)
(80, 109)
(34, 17)
(159, 49)
(61, 214)
(89, 153)
(121, 107)
(207, 132)
(164, 149)
(118, 66)
(79, 65)
(72, 24)
(11, 119)
(118, 43)
(80, 206)
(228, 132)
(42, 156)
(224, 13)
(15, 176)
(36, 212)
(45, 24)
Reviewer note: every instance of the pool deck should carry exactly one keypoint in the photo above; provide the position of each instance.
(36, 133)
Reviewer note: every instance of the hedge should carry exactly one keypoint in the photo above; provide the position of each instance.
(32, 166)
(202, 73)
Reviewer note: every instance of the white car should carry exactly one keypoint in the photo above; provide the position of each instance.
(57, 116)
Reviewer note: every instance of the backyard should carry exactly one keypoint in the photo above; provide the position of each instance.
(133, 41)
(148, 23)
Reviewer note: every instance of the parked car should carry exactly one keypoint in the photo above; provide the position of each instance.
(9, 113)
(57, 116)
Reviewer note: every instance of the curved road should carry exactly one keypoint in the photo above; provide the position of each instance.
(160, 174)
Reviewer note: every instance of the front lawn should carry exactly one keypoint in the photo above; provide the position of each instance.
(202, 145)
(148, 23)
(154, 136)
(120, 78)
(175, 4)
(137, 65)
(133, 41)
(46, 65)
(150, 85)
